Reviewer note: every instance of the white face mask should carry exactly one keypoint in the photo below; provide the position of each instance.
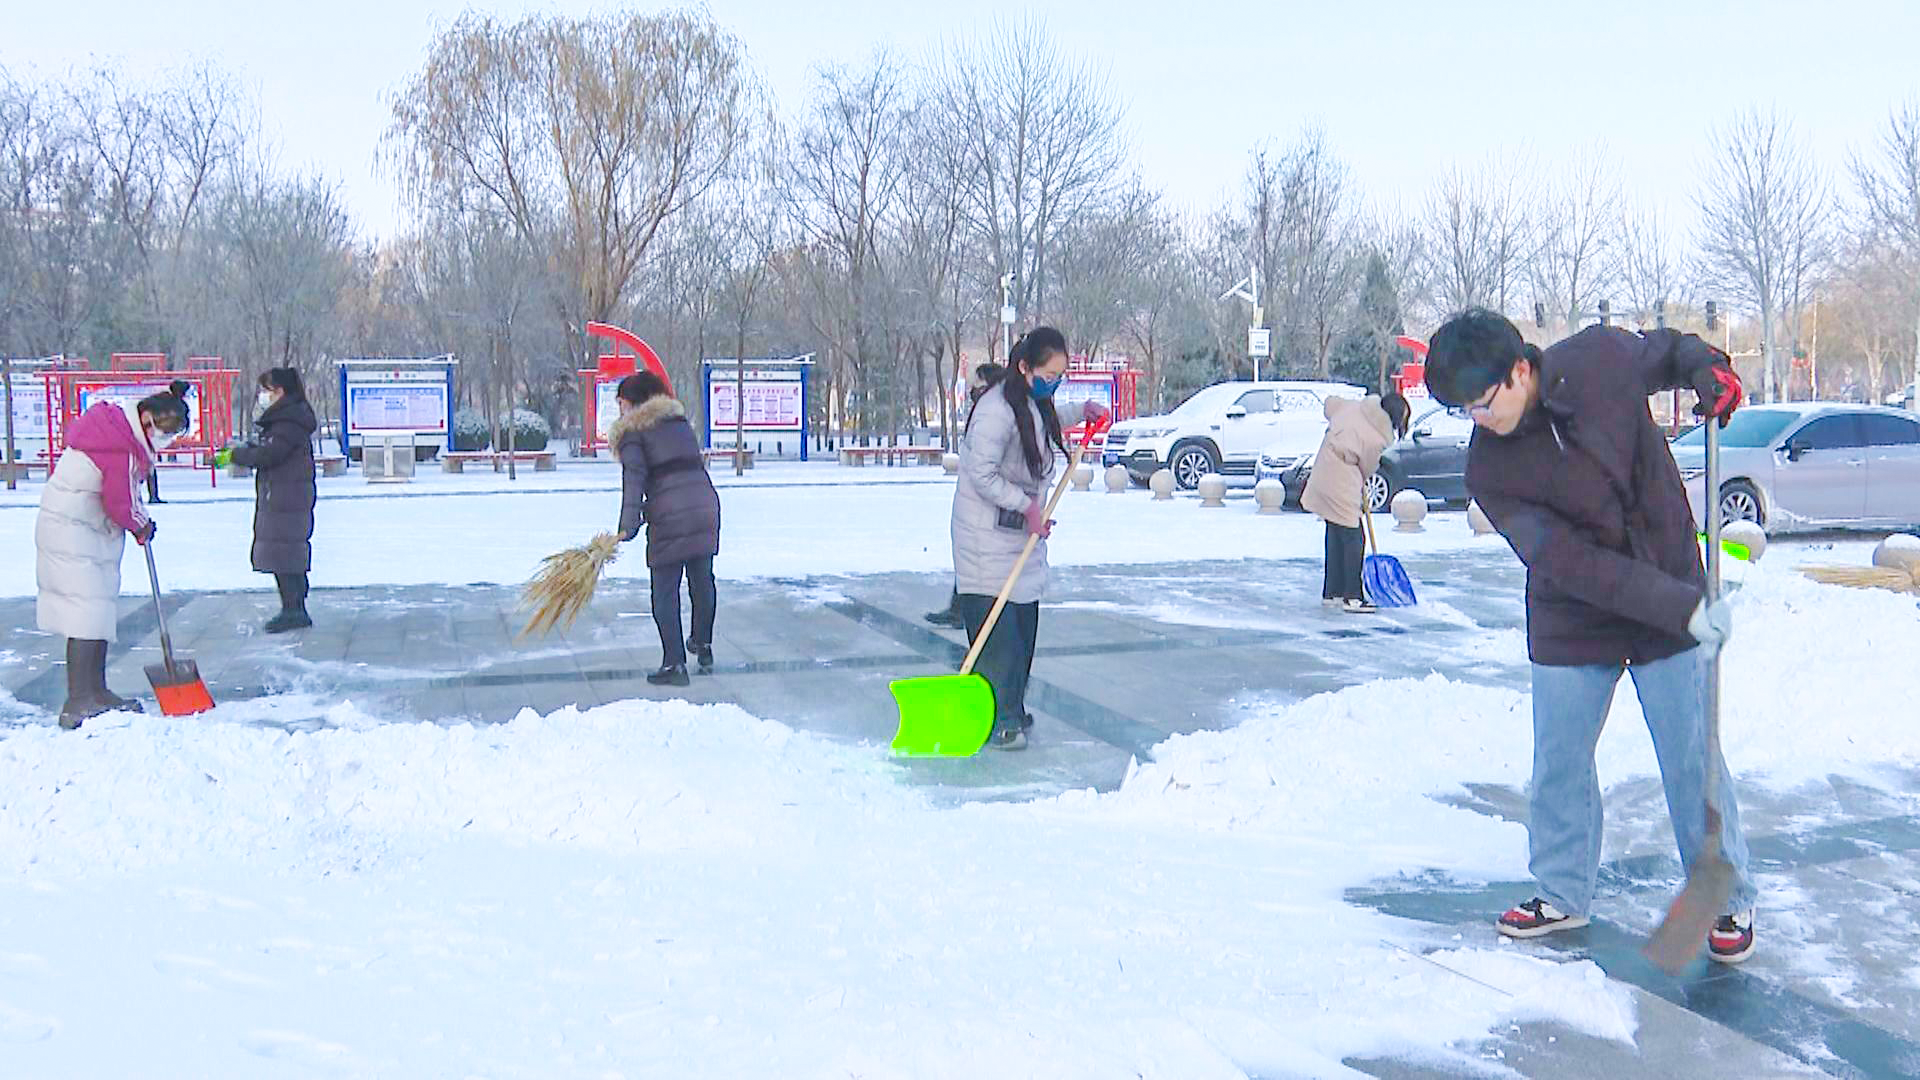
(263, 399)
(160, 439)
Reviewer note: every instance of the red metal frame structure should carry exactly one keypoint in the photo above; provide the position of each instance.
(611, 367)
(1412, 379)
(69, 392)
(1123, 381)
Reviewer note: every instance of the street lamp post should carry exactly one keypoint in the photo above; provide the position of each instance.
(1259, 342)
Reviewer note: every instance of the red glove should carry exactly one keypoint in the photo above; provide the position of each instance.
(1095, 415)
(1720, 391)
(1036, 519)
(145, 535)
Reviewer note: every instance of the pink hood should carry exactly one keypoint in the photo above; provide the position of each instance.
(109, 433)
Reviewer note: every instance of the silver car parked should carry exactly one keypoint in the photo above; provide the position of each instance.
(1811, 465)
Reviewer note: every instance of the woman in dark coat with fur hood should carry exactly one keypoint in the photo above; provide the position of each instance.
(664, 485)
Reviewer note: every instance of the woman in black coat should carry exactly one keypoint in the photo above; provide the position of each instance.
(281, 457)
(664, 485)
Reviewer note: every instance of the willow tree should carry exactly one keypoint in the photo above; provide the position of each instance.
(587, 134)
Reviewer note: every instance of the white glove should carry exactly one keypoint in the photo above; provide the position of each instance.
(1711, 624)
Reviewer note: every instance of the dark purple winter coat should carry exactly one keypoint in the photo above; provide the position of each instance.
(1587, 492)
(284, 491)
(664, 483)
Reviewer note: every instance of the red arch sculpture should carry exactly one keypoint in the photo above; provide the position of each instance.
(632, 341)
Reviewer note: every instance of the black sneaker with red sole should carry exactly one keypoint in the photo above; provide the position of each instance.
(1536, 918)
(1731, 939)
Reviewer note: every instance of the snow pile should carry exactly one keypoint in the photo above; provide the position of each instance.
(689, 890)
(627, 777)
(1818, 680)
(1359, 768)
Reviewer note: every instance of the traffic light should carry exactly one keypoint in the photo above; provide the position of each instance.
(1539, 314)
(1606, 313)
(1713, 315)
(1660, 314)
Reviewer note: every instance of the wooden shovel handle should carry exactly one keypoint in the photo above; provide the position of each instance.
(1033, 541)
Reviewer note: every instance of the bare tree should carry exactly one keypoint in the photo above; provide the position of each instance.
(1043, 146)
(1575, 261)
(1649, 269)
(844, 181)
(1890, 189)
(588, 134)
(1479, 229)
(1764, 225)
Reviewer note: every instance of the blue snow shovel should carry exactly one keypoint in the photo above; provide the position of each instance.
(1385, 579)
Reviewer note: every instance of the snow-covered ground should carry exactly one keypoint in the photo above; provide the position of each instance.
(662, 889)
(785, 530)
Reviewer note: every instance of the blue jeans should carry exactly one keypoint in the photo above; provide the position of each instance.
(1570, 707)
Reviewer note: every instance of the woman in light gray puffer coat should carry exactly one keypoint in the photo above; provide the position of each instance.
(1006, 460)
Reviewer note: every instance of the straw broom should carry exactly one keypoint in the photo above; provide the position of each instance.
(560, 590)
(1865, 577)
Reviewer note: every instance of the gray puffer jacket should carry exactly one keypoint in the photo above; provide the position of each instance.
(664, 483)
(994, 477)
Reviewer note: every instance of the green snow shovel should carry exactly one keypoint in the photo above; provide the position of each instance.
(952, 715)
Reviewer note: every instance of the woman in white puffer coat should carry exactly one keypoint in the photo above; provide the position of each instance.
(1006, 459)
(90, 505)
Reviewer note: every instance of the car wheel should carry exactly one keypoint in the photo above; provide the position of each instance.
(1380, 491)
(1190, 462)
(1740, 501)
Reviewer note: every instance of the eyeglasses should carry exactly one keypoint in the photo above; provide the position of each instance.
(1484, 407)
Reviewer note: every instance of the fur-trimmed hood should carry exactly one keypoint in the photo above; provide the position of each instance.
(650, 414)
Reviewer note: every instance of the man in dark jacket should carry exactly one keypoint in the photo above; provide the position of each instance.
(1570, 467)
(281, 457)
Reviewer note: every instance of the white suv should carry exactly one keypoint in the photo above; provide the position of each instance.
(1220, 429)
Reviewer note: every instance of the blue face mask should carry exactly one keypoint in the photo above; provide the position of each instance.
(1043, 386)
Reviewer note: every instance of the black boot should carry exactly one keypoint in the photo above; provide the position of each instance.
(87, 693)
(670, 675)
(702, 657)
(950, 618)
(287, 620)
(293, 604)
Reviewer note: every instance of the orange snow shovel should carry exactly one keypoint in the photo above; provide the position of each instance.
(1710, 881)
(952, 715)
(176, 683)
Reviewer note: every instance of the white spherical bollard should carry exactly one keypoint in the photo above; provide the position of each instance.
(1478, 521)
(1748, 535)
(1117, 480)
(1213, 490)
(1409, 509)
(951, 463)
(1901, 551)
(1271, 494)
(1162, 484)
(1083, 477)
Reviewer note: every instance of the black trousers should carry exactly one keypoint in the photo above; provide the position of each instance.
(293, 591)
(666, 605)
(1346, 554)
(1007, 661)
(153, 484)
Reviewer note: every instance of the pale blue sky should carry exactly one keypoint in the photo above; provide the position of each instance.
(1403, 88)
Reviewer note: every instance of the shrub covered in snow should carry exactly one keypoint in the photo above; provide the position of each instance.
(470, 430)
(530, 430)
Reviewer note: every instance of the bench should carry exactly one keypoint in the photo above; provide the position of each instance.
(892, 455)
(332, 464)
(456, 460)
(724, 457)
